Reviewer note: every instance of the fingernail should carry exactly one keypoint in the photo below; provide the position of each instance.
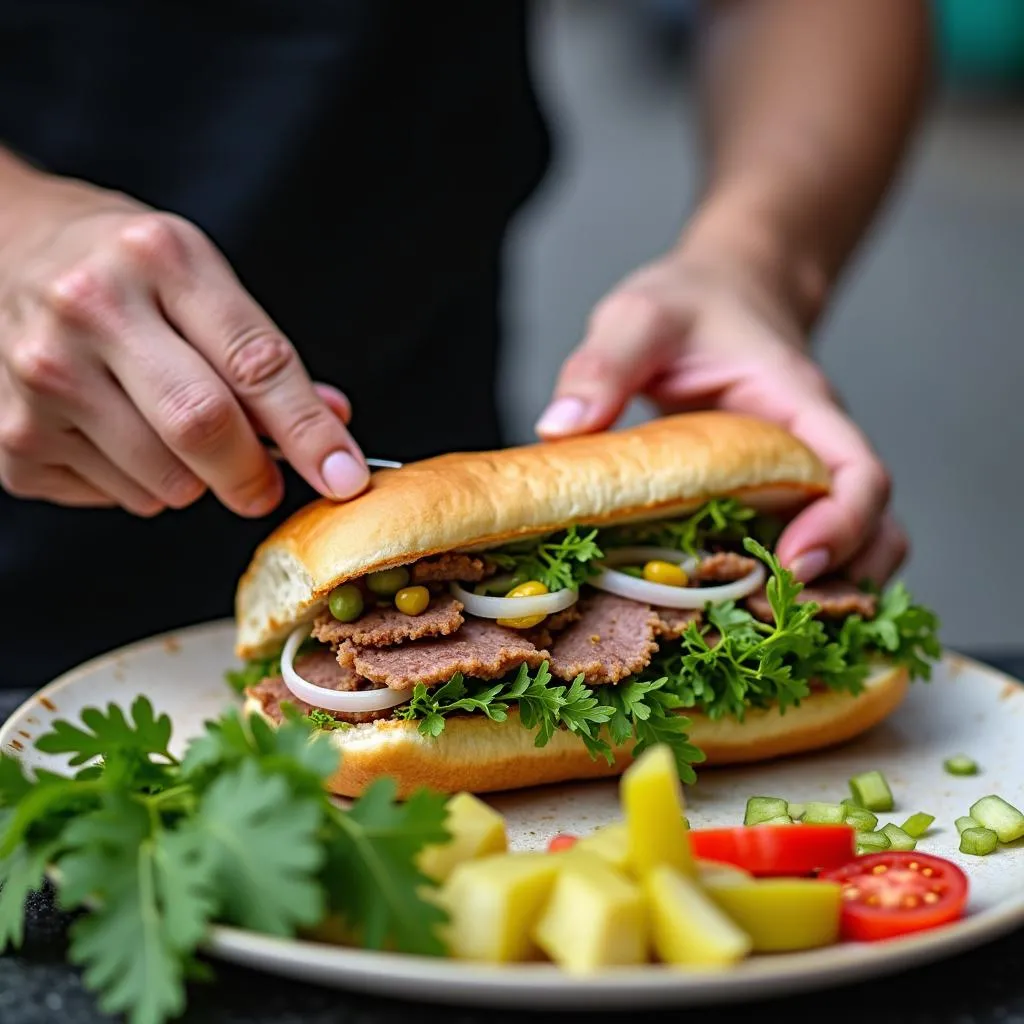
(810, 564)
(344, 475)
(562, 416)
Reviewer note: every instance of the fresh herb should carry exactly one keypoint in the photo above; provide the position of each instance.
(901, 631)
(542, 706)
(719, 521)
(320, 719)
(559, 561)
(241, 830)
(736, 662)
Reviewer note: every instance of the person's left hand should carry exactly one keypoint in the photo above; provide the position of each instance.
(701, 330)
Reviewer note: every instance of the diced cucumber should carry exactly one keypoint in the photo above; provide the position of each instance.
(964, 823)
(780, 819)
(872, 842)
(817, 813)
(1004, 819)
(861, 820)
(960, 765)
(898, 839)
(796, 811)
(871, 791)
(917, 824)
(761, 808)
(978, 842)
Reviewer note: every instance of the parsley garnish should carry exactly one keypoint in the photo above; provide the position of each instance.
(254, 671)
(559, 561)
(240, 831)
(321, 719)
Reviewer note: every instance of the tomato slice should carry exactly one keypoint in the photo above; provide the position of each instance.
(563, 841)
(886, 895)
(773, 851)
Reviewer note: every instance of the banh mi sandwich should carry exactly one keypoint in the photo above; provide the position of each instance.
(496, 620)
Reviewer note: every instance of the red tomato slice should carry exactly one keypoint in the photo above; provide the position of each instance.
(890, 894)
(561, 842)
(776, 850)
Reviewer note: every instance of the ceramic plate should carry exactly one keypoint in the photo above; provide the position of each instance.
(967, 709)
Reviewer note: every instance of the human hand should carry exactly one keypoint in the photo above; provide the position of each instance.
(136, 371)
(696, 330)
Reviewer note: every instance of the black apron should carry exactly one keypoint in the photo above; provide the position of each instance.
(358, 163)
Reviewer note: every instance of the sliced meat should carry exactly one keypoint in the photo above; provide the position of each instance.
(613, 638)
(322, 669)
(382, 627)
(837, 599)
(543, 636)
(723, 567)
(672, 622)
(450, 567)
(481, 648)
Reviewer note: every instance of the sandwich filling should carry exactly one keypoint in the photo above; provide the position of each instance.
(613, 634)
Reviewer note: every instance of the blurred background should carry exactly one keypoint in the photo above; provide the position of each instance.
(925, 340)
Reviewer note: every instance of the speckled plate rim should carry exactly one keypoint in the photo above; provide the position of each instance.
(542, 986)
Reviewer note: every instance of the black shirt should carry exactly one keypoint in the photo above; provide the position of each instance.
(357, 162)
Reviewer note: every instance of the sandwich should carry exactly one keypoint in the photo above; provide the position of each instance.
(497, 620)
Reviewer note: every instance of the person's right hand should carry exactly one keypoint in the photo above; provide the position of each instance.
(136, 371)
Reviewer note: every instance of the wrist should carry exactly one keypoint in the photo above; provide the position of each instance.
(739, 230)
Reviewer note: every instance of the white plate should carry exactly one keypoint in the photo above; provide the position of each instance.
(966, 709)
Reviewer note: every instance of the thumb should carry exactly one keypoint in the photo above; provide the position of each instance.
(624, 348)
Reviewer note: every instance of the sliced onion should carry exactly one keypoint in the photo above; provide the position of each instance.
(660, 593)
(515, 607)
(333, 700)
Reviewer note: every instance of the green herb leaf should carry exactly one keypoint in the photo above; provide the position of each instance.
(21, 873)
(372, 873)
(560, 561)
(110, 734)
(719, 521)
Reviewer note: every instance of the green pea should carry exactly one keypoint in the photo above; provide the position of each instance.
(499, 586)
(346, 603)
(388, 582)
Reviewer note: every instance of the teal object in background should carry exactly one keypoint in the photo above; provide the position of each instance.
(981, 39)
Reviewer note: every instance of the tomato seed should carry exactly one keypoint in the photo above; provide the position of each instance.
(927, 872)
(879, 869)
(931, 897)
(911, 902)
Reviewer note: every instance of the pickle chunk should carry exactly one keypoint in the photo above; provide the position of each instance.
(687, 928)
(476, 831)
(652, 801)
(595, 918)
(494, 903)
(780, 914)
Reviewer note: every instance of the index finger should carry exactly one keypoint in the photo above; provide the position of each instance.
(830, 531)
(206, 302)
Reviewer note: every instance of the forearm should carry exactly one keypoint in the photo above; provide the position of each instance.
(809, 106)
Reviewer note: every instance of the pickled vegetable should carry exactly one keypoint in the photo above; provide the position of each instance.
(688, 929)
(595, 918)
(781, 914)
(476, 831)
(652, 800)
(494, 904)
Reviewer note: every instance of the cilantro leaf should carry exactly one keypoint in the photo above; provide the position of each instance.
(110, 734)
(150, 898)
(560, 561)
(262, 843)
(372, 873)
(21, 873)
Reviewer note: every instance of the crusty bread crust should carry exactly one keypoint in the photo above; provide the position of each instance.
(459, 501)
(480, 756)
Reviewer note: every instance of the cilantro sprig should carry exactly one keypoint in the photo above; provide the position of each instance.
(559, 561)
(153, 850)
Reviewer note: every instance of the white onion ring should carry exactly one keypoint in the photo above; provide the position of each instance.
(661, 594)
(515, 607)
(333, 700)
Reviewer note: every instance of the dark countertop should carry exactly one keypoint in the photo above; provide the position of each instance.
(985, 985)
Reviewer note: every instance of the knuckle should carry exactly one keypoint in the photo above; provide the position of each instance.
(83, 294)
(20, 436)
(43, 367)
(257, 357)
(156, 239)
(196, 417)
(179, 487)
